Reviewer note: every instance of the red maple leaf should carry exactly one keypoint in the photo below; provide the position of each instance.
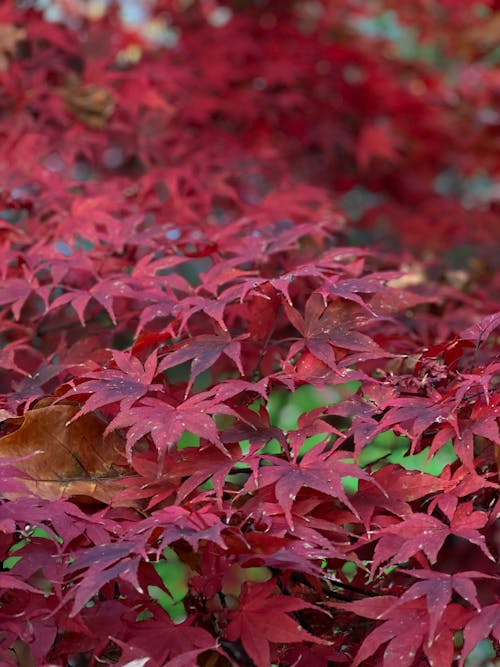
(421, 532)
(318, 470)
(376, 141)
(334, 326)
(262, 618)
(437, 588)
(484, 623)
(125, 384)
(403, 646)
(178, 646)
(203, 351)
(166, 423)
(103, 564)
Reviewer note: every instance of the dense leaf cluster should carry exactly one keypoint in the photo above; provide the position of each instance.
(273, 196)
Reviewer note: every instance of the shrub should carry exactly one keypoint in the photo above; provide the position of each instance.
(249, 348)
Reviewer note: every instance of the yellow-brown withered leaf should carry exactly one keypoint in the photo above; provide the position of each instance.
(65, 459)
(10, 38)
(91, 104)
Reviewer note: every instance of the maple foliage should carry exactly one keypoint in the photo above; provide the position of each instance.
(202, 212)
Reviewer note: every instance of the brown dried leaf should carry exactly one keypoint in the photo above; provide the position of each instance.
(91, 104)
(484, 35)
(10, 37)
(22, 654)
(413, 275)
(65, 459)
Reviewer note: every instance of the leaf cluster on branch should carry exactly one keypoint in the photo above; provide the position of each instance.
(270, 198)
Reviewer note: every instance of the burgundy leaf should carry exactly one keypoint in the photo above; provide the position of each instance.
(262, 617)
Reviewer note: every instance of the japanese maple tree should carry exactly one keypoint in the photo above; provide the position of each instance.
(207, 209)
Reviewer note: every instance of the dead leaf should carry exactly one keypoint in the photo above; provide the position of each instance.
(10, 36)
(65, 459)
(457, 278)
(22, 654)
(91, 104)
(413, 275)
(484, 35)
